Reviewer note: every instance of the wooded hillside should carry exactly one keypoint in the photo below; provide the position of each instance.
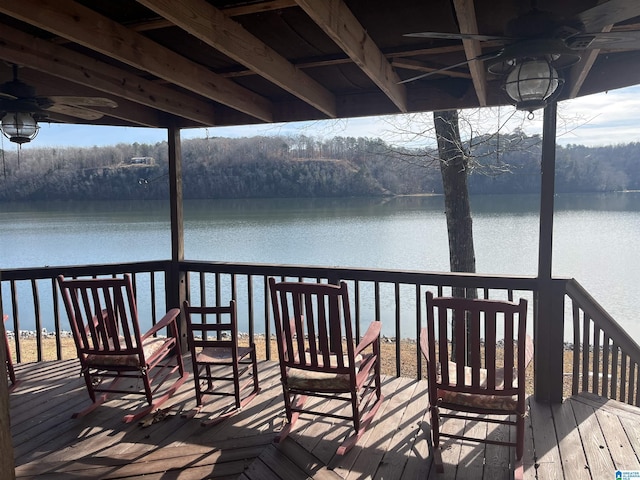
(302, 167)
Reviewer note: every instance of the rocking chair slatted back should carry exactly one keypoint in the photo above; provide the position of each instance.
(466, 339)
(319, 320)
(477, 352)
(111, 330)
(319, 358)
(104, 321)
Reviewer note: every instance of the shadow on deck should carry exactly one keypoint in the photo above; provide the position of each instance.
(586, 437)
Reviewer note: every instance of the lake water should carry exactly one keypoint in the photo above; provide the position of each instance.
(595, 236)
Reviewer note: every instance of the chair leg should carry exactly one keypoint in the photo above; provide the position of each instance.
(196, 385)
(435, 435)
(350, 442)
(519, 437)
(158, 401)
(518, 473)
(292, 417)
(96, 401)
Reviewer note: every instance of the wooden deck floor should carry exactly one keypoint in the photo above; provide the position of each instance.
(584, 438)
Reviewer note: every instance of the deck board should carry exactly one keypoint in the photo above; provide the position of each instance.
(586, 437)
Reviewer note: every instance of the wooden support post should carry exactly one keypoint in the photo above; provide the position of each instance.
(549, 319)
(6, 444)
(176, 287)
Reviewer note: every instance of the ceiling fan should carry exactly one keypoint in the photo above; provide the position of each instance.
(538, 43)
(21, 108)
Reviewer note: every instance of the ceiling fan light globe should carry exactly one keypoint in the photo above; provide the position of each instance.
(531, 83)
(19, 127)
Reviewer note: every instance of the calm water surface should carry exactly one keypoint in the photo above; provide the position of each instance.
(595, 240)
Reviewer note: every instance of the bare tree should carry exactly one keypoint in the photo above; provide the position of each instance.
(441, 142)
(454, 165)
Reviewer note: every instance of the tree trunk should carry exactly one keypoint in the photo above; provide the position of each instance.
(453, 167)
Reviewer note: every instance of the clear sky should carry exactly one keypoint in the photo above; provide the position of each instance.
(596, 120)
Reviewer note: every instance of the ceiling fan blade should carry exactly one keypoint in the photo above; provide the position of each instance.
(609, 40)
(609, 13)
(83, 101)
(6, 96)
(75, 111)
(459, 36)
(484, 56)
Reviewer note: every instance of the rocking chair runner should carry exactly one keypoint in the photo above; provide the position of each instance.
(216, 356)
(318, 356)
(11, 374)
(104, 322)
(465, 371)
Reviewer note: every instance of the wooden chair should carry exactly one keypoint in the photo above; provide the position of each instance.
(11, 374)
(216, 356)
(104, 322)
(477, 352)
(318, 356)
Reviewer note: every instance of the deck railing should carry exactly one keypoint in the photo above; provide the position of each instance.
(604, 358)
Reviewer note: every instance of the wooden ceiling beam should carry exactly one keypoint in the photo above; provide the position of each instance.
(337, 21)
(343, 59)
(579, 72)
(211, 26)
(421, 67)
(465, 12)
(127, 111)
(24, 49)
(238, 11)
(82, 25)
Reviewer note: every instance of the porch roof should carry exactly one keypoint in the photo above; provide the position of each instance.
(201, 63)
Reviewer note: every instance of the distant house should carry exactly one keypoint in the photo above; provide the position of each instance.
(141, 161)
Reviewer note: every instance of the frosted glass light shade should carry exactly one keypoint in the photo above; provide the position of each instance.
(19, 127)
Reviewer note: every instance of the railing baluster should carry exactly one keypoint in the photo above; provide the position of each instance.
(576, 349)
(606, 353)
(56, 318)
(398, 330)
(623, 375)
(595, 369)
(614, 372)
(357, 315)
(632, 378)
(586, 350)
(16, 320)
(218, 288)
(267, 317)
(637, 379)
(152, 286)
(250, 307)
(418, 328)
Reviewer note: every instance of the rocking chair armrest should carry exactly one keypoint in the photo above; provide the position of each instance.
(371, 335)
(168, 319)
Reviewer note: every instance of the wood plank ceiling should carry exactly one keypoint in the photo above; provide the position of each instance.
(193, 63)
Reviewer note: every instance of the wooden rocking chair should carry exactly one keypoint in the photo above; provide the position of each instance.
(318, 356)
(11, 374)
(104, 322)
(216, 356)
(477, 352)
